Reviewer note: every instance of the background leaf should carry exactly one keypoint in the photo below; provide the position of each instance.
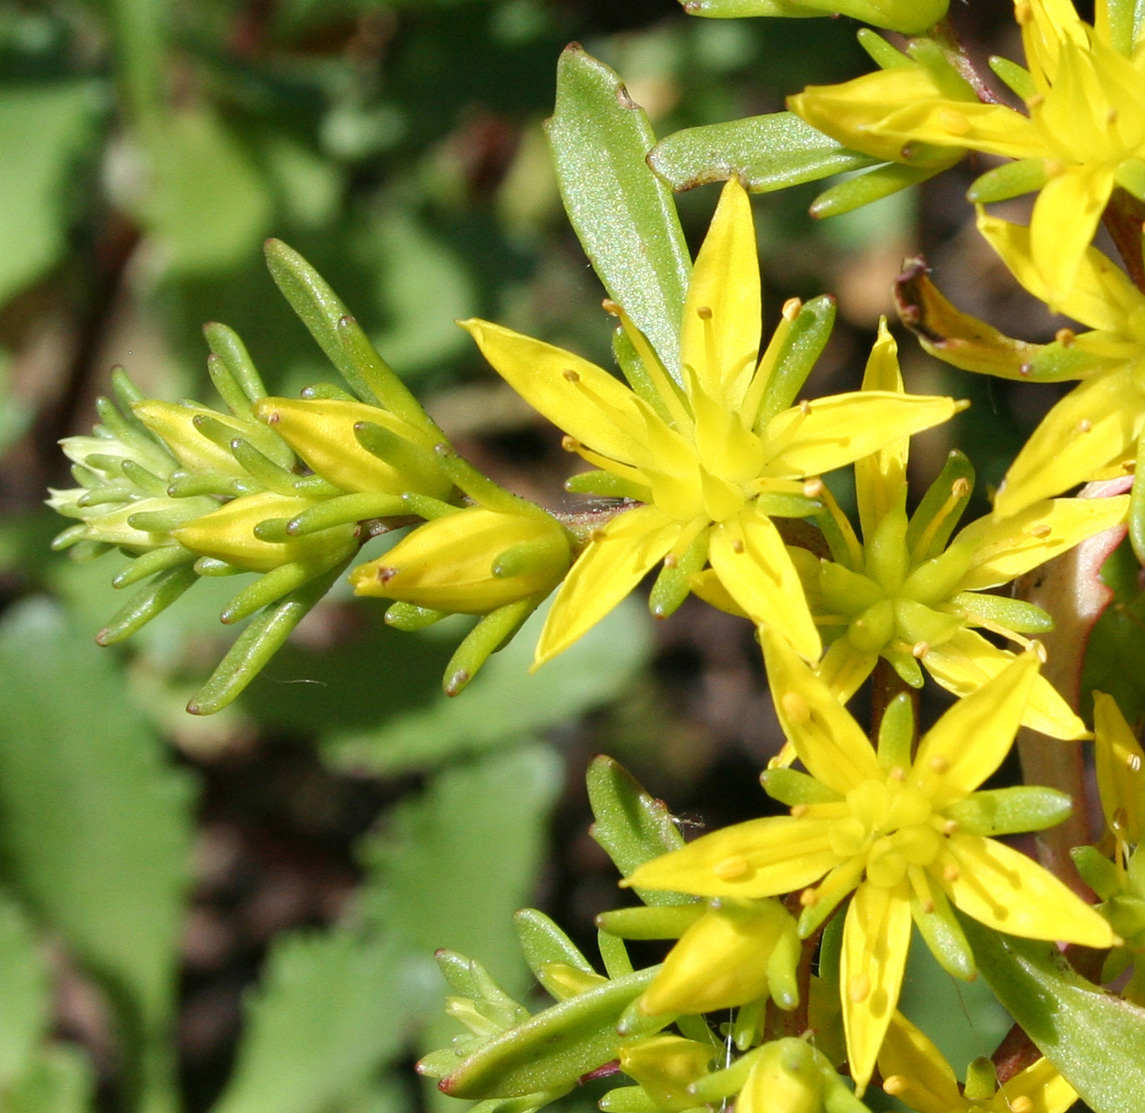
(331, 1010)
(505, 701)
(94, 825)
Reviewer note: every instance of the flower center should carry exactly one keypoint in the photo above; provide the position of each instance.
(891, 825)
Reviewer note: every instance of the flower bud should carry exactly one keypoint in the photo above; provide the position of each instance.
(471, 562)
(665, 1066)
(175, 425)
(735, 953)
(228, 534)
(322, 432)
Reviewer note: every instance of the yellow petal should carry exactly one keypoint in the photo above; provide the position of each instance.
(1042, 1084)
(1093, 426)
(825, 434)
(991, 128)
(752, 563)
(844, 668)
(945, 764)
(575, 395)
(1009, 892)
(1102, 295)
(922, 1078)
(967, 661)
(1065, 218)
(827, 739)
(880, 479)
(609, 568)
(1120, 770)
(876, 937)
(1003, 550)
(759, 858)
(722, 350)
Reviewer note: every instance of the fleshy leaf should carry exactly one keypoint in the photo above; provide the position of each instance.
(624, 215)
(764, 152)
(1095, 1039)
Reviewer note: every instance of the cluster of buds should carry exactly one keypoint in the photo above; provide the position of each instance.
(290, 489)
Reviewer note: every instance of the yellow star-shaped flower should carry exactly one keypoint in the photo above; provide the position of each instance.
(907, 837)
(1082, 134)
(711, 457)
(907, 596)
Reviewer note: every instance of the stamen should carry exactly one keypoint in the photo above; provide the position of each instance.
(1023, 1103)
(738, 546)
(954, 122)
(798, 810)
(569, 444)
(1111, 117)
(597, 534)
(813, 488)
(610, 307)
(895, 1085)
(951, 873)
(570, 375)
(939, 764)
(704, 313)
(1085, 425)
(809, 898)
(791, 309)
(1065, 337)
(804, 407)
(671, 560)
(898, 773)
(1044, 530)
(959, 490)
(1133, 762)
(950, 827)
(919, 650)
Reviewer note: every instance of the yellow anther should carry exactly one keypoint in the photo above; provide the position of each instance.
(813, 488)
(1133, 762)
(571, 375)
(809, 898)
(791, 309)
(795, 707)
(1023, 1103)
(704, 313)
(609, 306)
(960, 488)
(569, 444)
(735, 868)
(1085, 425)
(928, 906)
(950, 827)
(920, 650)
(1023, 12)
(1053, 166)
(939, 764)
(597, 535)
(671, 560)
(898, 773)
(737, 545)
(951, 873)
(896, 1084)
(1065, 337)
(804, 407)
(859, 988)
(798, 810)
(1041, 531)
(1040, 650)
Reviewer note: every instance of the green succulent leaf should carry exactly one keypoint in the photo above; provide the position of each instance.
(624, 215)
(764, 152)
(1095, 1039)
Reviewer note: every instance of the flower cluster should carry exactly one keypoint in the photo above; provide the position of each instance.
(706, 468)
